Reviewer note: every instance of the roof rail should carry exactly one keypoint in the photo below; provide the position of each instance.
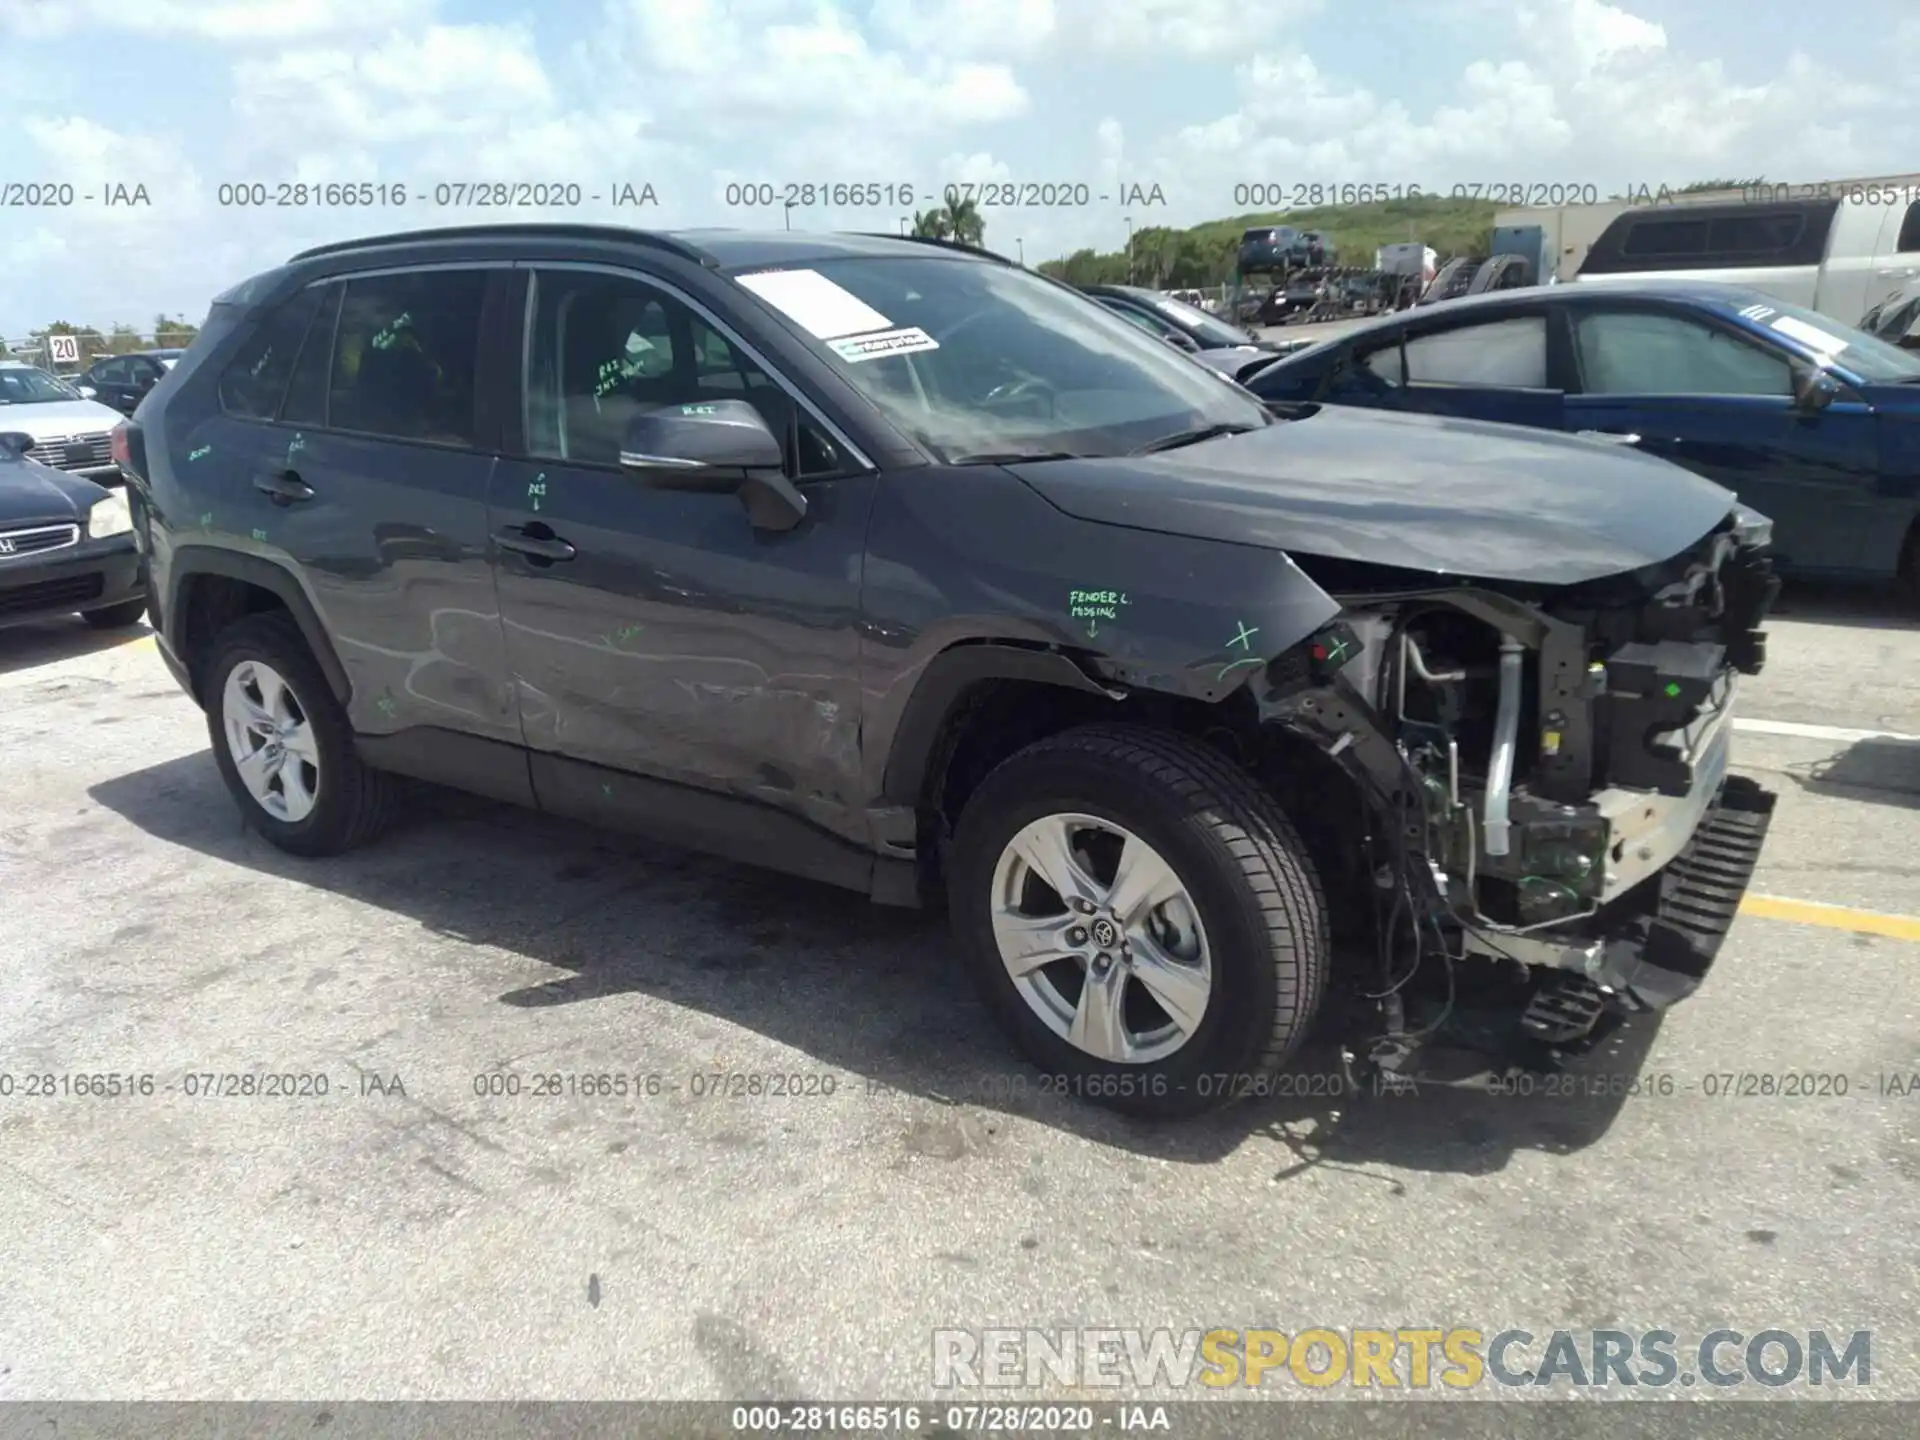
(960, 245)
(509, 231)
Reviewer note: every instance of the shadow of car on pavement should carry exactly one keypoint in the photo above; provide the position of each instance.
(873, 992)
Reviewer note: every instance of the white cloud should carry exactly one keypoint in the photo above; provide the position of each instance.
(449, 81)
(1192, 29)
(230, 21)
(1586, 92)
(969, 29)
(1192, 95)
(1064, 29)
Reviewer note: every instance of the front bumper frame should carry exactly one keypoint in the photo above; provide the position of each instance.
(1650, 950)
(50, 583)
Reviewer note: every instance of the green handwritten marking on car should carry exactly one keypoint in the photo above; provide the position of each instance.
(206, 520)
(386, 704)
(390, 336)
(1231, 666)
(537, 490)
(259, 534)
(1673, 690)
(1093, 606)
(202, 451)
(298, 443)
(607, 790)
(699, 410)
(624, 634)
(1244, 639)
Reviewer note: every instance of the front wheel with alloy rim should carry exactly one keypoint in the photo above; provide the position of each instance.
(1141, 916)
(284, 744)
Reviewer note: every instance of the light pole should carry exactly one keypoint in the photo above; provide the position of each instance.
(903, 224)
(1023, 251)
(789, 214)
(1129, 220)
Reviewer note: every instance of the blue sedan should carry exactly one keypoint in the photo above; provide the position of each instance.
(1807, 420)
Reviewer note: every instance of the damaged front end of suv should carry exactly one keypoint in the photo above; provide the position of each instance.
(1490, 681)
(1546, 781)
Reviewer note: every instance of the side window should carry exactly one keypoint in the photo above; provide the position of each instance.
(112, 372)
(1509, 354)
(405, 354)
(251, 385)
(719, 369)
(1909, 241)
(306, 402)
(1665, 239)
(605, 349)
(1384, 364)
(1626, 352)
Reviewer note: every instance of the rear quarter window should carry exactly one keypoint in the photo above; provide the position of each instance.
(1909, 241)
(255, 379)
(1713, 237)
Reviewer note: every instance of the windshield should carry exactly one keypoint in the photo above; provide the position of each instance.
(32, 387)
(1866, 356)
(1210, 328)
(975, 359)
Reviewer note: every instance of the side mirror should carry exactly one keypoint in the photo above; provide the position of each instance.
(15, 442)
(716, 446)
(1182, 342)
(1814, 390)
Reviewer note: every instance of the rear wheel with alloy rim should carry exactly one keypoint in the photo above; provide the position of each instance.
(284, 744)
(1141, 916)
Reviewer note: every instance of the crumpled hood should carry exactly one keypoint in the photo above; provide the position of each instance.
(1455, 497)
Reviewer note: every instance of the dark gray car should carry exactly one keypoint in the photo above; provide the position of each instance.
(894, 565)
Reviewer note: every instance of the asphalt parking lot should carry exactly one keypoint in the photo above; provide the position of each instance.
(407, 1235)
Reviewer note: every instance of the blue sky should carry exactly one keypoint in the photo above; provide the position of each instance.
(1195, 96)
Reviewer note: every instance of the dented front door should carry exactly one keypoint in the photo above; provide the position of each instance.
(656, 633)
(676, 641)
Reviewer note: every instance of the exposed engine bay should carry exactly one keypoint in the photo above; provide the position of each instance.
(1546, 777)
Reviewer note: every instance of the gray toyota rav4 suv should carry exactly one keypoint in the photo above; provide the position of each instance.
(896, 565)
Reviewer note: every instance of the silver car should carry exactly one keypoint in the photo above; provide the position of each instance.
(70, 432)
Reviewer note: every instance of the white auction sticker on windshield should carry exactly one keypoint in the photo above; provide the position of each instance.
(815, 303)
(1811, 335)
(855, 348)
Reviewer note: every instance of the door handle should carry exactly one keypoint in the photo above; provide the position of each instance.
(1900, 274)
(1611, 437)
(548, 547)
(283, 487)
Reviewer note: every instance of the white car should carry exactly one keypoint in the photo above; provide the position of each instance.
(70, 432)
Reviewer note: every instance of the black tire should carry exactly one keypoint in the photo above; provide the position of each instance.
(1257, 893)
(1502, 272)
(353, 801)
(117, 617)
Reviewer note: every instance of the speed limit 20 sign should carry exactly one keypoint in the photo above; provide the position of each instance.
(65, 349)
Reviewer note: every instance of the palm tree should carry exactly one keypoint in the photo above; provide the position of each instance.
(930, 224)
(963, 222)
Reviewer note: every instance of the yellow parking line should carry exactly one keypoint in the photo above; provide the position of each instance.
(1834, 917)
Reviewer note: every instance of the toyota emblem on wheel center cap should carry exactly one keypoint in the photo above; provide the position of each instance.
(1105, 933)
